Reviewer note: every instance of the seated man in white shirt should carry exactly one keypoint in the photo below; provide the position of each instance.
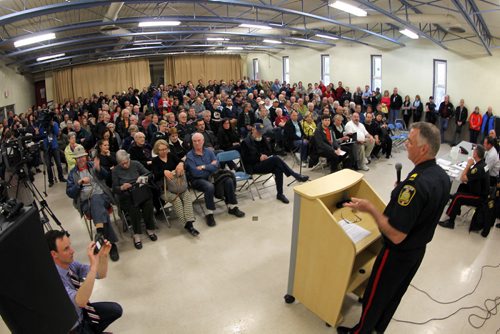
(492, 160)
(364, 141)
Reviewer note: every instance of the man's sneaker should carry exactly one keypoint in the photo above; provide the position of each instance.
(236, 212)
(364, 167)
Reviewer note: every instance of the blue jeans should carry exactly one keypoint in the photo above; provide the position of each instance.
(393, 115)
(97, 206)
(208, 190)
(443, 126)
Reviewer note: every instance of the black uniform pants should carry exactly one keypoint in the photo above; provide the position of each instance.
(462, 197)
(391, 275)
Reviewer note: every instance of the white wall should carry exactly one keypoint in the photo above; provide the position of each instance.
(409, 68)
(15, 89)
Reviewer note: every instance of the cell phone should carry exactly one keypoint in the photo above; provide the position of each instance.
(98, 245)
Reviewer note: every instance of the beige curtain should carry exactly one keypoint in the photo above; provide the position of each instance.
(109, 77)
(205, 67)
(63, 85)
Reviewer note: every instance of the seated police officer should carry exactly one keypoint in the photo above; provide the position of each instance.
(87, 187)
(78, 280)
(474, 189)
(257, 158)
(201, 163)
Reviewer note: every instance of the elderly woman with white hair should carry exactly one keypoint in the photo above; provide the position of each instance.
(125, 175)
(68, 151)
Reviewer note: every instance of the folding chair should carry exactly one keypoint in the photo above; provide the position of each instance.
(89, 224)
(397, 139)
(241, 177)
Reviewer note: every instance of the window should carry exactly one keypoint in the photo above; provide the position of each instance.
(325, 69)
(376, 81)
(440, 73)
(256, 69)
(286, 69)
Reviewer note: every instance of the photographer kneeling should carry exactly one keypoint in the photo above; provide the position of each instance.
(78, 280)
(86, 186)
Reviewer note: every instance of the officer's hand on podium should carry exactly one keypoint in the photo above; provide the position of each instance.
(359, 204)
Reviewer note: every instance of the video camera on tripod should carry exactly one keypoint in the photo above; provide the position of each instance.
(19, 151)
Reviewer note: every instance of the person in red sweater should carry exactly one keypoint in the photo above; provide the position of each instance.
(339, 91)
(475, 121)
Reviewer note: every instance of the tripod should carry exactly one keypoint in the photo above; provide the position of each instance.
(24, 178)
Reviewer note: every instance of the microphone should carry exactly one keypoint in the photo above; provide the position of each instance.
(399, 166)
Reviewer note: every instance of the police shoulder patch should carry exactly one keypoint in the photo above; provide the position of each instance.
(406, 195)
(473, 171)
(412, 177)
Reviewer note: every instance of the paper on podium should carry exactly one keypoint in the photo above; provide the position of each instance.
(354, 231)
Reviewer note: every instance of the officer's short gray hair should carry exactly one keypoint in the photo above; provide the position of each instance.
(122, 156)
(429, 133)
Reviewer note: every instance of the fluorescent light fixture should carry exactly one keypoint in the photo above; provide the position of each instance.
(271, 41)
(348, 8)
(409, 33)
(147, 43)
(217, 39)
(50, 57)
(255, 26)
(158, 24)
(326, 36)
(34, 39)
(234, 48)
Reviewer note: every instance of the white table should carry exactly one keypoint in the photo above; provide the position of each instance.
(454, 167)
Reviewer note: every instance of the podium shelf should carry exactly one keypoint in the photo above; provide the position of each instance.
(362, 269)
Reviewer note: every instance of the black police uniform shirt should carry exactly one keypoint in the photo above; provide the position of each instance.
(478, 179)
(417, 203)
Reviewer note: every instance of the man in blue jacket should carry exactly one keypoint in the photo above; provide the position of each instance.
(488, 122)
(49, 133)
(87, 187)
(201, 163)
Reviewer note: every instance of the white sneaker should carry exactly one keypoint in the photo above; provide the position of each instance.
(304, 164)
(365, 168)
(366, 161)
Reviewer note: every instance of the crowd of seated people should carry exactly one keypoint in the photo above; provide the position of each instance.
(132, 131)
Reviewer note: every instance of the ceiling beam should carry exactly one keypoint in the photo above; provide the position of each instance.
(81, 4)
(468, 9)
(93, 38)
(404, 23)
(207, 19)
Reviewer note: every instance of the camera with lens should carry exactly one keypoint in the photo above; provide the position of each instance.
(9, 208)
(20, 150)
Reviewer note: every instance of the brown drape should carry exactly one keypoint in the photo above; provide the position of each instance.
(205, 67)
(109, 77)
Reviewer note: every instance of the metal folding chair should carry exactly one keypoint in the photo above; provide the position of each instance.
(241, 176)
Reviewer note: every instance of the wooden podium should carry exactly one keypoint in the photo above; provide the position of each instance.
(325, 264)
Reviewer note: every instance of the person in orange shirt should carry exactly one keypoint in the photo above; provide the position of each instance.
(475, 121)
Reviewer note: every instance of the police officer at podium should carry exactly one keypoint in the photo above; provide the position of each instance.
(407, 225)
